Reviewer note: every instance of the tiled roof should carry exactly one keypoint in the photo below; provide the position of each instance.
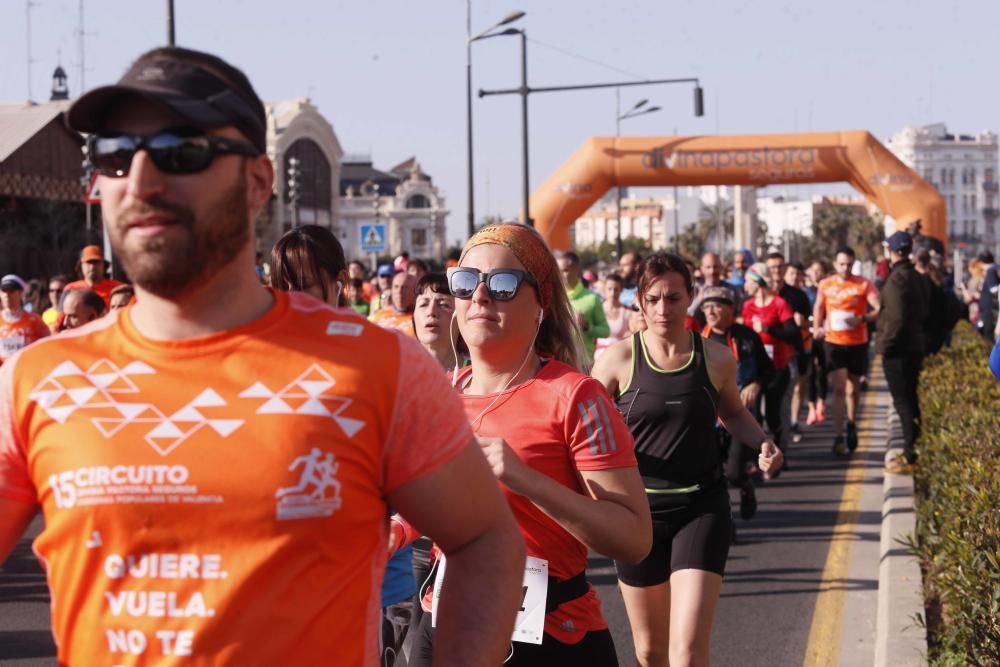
(20, 122)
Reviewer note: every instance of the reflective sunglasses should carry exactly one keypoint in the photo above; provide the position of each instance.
(502, 284)
(172, 151)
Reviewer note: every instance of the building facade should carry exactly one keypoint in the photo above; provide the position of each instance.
(785, 215)
(404, 199)
(344, 194)
(297, 130)
(653, 219)
(964, 170)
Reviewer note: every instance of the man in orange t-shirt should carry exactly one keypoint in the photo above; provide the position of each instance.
(845, 305)
(215, 463)
(94, 268)
(399, 315)
(18, 328)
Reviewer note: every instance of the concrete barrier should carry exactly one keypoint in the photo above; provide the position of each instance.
(899, 640)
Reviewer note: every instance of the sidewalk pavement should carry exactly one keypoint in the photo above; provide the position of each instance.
(878, 625)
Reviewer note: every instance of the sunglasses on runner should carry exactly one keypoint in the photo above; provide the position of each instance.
(172, 151)
(502, 284)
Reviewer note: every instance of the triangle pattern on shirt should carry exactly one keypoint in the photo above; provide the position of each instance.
(305, 395)
(65, 369)
(257, 390)
(82, 395)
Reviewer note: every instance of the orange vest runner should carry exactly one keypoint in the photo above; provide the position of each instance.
(20, 333)
(221, 500)
(846, 298)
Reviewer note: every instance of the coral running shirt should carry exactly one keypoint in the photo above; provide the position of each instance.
(559, 422)
(846, 298)
(19, 333)
(103, 288)
(221, 500)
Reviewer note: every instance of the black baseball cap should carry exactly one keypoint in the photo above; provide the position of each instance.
(201, 89)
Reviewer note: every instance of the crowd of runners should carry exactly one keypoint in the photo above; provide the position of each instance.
(340, 466)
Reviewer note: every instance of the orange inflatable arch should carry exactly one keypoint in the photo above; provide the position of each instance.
(855, 157)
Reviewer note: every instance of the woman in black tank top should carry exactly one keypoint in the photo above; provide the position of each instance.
(672, 386)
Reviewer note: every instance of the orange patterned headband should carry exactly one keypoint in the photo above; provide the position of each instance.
(528, 247)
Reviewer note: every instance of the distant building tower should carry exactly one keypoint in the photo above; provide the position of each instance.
(964, 169)
(60, 89)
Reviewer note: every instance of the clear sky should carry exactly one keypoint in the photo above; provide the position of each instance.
(390, 75)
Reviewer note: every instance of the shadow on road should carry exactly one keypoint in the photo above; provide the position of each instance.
(26, 644)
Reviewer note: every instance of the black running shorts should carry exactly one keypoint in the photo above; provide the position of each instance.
(851, 357)
(695, 537)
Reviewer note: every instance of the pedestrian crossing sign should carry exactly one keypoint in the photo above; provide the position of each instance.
(373, 238)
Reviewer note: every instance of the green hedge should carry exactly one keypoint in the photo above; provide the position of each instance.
(958, 502)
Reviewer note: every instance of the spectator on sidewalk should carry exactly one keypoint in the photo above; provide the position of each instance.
(902, 342)
(988, 295)
(995, 360)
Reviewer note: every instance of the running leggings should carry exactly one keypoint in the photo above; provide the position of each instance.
(818, 380)
(774, 396)
(596, 649)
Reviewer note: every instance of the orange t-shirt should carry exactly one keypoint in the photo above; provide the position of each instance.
(102, 288)
(221, 500)
(389, 318)
(558, 423)
(846, 298)
(20, 333)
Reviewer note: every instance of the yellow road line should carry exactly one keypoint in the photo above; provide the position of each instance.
(823, 645)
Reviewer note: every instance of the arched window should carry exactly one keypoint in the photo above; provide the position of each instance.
(314, 175)
(418, 201)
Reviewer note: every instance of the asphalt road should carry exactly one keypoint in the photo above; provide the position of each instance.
(768, 596)
(775, 569)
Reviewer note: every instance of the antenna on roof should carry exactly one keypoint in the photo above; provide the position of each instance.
(28, 4)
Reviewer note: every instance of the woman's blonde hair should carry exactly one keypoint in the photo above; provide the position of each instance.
(558, 335)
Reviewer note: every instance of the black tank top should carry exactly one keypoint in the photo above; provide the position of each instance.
(672, 416)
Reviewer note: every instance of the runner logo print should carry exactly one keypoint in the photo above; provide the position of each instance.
(104, 385)
(317, 493)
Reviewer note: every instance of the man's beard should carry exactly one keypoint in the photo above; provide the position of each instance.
(176, 262)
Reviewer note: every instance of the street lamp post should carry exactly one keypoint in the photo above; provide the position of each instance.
(293, 188)
(638, 109)
(510, 18)
(170, 23)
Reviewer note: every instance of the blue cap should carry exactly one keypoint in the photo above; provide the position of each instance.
(386, 271)
(900, 242)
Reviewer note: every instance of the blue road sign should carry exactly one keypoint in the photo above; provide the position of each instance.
(373, 238)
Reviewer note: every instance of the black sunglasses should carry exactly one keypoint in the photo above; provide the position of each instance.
(172, 151)
(502, 284)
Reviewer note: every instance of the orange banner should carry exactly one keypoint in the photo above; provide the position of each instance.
(854, 157)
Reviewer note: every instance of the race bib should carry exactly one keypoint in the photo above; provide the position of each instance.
(10, 345)
(770, 350)
(530, 622)
(838, 320)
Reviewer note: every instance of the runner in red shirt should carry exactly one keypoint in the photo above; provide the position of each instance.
(773, 319)
(93, 268)
(557, 444)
